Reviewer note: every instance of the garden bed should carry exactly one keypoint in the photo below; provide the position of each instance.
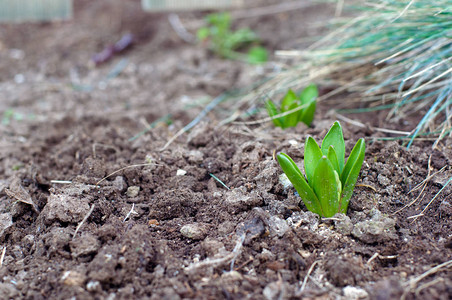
(207, 217)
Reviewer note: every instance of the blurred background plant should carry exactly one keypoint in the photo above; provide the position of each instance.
(227, 43)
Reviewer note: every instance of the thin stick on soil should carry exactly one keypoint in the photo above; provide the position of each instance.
(428, 284)
(122, 169)
(359, 124)
(61, 181)
(130, 212)
(237, 249)
(431, 201)
(422, 184)
(412, 283)
(222, 260)
(3, 256)
(84, 220)
(305, 280)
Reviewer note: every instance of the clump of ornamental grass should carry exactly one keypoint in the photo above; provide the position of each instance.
(394, 56)
(305, 101)
(329, 182)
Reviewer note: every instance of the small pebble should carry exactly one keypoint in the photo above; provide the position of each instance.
(354, 293)
(132, 191)
(94, 286)
(181, 172)
(194, 231)
(73, 278)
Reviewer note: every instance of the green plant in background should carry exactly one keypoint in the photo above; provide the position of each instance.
(225, 42)
(306, 98)
(329, 184)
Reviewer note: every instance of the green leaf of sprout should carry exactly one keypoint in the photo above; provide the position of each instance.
(202, 33)
(329, 184)
(288, 99)
(307, 114)
(312, 155)
(351, 172)
(291, 120)
(335, 138)
(309, 94)
(332, 156)
(273, 111)
(327, 187)
(257, 55)
(304, 190)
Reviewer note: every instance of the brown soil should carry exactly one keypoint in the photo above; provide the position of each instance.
(169, 229)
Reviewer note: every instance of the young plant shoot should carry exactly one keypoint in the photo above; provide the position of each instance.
(307, 99)
(226, 42)
(329, 183)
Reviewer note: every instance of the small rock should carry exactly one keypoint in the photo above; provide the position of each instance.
(17, 252)
(277, 226)
(181, 172)
(194, 231)
(119, 184)
(343, 224)
(237, 200)
(69, 206)
(55, 242)
(231, 276)
(28, 241)
(73, 278)
(5, 222)
(306, 219)
(387, 289)
(383, 180)
(378, 229)
(85, 244)
(266, 179)
(266, 255)
(8, 291)
(132, 191)
(211, 246)
(273, 291)
(195, 156)
(354, 293)
(217, 194)
(94, 286)
(285, 182)
(342, 271)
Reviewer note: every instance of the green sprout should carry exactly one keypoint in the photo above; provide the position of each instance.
(329, 184)
(224, 42)
(307, 99)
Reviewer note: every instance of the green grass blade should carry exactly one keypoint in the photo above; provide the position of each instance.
(327, 187)
(335, 138)
(304, 190)
(350, 174)
(312, 156)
